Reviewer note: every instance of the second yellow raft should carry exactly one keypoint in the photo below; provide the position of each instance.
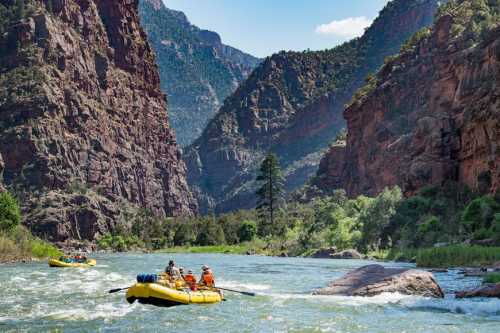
(157, 294)
(60, 263)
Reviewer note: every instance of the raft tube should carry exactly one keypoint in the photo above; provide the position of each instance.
(156, 294)
(58, 263)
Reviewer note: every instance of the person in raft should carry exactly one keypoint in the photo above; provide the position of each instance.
(172, 271)
(190, 280)
(207, 277)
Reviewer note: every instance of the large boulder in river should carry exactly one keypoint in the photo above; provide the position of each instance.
(488, 290)
(324, 253)
(373, 280)
(347, 254)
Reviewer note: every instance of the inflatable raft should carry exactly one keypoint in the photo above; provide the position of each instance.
(61, 263)
(160, 295)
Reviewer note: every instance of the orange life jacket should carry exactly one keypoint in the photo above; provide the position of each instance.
(190, 279)
(208, 279)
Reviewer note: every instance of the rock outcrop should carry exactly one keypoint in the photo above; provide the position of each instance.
(431, 115)
(347, 254)
(373, 280)
(324, 253)
(292, 105)
(489, 290)
(197, 70)
(81, 105)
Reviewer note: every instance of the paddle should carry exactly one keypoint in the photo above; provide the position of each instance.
(238, 291)
(117, 290)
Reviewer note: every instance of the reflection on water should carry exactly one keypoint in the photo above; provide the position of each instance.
(37, 298)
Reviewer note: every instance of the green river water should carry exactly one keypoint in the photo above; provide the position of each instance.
(36, 298)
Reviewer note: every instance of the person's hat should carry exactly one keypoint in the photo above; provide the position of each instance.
(205, 267)
(190, 272)
(181, 269)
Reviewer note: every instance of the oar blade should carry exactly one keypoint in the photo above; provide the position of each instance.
(116, 290)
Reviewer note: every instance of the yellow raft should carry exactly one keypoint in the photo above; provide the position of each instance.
(157, 294)
(59, 263)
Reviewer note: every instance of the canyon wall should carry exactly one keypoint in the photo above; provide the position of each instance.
(81, 107)
(431, 115)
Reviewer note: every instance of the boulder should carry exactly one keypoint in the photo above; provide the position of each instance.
(373, 280)
(487, 290)
(347, 254)
(324, 253)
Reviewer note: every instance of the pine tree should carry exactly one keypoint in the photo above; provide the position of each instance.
(270, 194)
(50, 6)
(20, 9)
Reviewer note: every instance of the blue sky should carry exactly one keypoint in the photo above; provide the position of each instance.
(263, 27)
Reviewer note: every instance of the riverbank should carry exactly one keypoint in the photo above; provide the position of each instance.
(19, 245)
(441, 257)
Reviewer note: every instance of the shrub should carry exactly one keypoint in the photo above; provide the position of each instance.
(211, 233)
(247, 231)
(10, 214)
(479, 217)
(492, 278)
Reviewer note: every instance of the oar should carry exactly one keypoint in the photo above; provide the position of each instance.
(238, 291)
(117, 290)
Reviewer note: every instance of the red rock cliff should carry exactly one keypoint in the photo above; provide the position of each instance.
(82, 104)
(433, 115)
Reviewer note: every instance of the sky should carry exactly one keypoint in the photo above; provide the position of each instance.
(264, 27)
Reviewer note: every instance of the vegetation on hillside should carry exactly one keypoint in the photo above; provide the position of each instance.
(16, 242)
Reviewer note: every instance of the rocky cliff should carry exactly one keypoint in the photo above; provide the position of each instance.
(432, 114)
(81, 108)
(197, 70)
(292, 105)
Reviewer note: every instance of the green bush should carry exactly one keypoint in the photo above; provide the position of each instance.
(211, 233)
(247, 231)
(458, 255)
(10, 214)
(492, 278)
(479, 217)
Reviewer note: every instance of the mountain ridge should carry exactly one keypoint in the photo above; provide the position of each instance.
(292, 105)
(197, 70)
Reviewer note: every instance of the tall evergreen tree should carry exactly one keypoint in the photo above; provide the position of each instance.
(21, 9)
(270, 194)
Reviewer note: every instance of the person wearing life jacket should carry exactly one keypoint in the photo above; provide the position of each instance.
(172, 271)
(190, 280)
(207, 277)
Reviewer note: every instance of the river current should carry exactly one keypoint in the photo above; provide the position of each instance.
(36, 298)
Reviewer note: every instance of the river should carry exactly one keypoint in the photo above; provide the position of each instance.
(36, 298)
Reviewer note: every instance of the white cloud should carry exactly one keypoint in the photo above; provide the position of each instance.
(347, 28)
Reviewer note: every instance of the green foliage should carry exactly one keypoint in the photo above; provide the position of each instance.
(10, 214)
(270, 195)
(119, 243)
(247, 231)
(472, 19)
(211, 233)
(479, 218)
(19, 243)
(361, 94)
(492, 278)
(376, 218)
(431, 216)
(457, 256)
(414, 40)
